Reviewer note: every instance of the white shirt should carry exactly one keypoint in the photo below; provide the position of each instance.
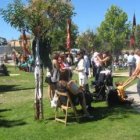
(137, 58)
(69, 60)
(125, 56)
(131, 59)
(96, 60)
(81, 66)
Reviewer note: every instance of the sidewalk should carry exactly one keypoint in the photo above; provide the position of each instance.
(125, 74)
(132, 92)
(10, 62)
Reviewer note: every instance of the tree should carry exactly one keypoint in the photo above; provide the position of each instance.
(86, 40)
(114, 30)
(137, 36)
(59, 37)
(39, 17)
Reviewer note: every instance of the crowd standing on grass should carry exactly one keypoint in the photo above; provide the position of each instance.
(98, 66)
(65, 73)
(99, 62)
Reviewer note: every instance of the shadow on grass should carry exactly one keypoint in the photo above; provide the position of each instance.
(112, 113)
(3, 110)
(99, 113)
(9, 123)
(103, 112)
(6, 88)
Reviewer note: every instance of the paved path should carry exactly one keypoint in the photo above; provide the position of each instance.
(125, 74)
(132, 92)
(10, 62)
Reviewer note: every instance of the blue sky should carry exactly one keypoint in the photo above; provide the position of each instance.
(90, 13)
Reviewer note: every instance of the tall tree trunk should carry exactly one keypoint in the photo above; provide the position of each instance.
(38, 73)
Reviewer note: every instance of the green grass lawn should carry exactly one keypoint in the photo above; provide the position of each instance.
(17, 116)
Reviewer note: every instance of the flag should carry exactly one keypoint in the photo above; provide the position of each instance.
(134, 21)
(132, 40)
(68, 34)
(24, 44)
(132, 37)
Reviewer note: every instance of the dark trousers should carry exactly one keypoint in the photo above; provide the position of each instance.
(138, 86)
(131, 68)
(97, 73)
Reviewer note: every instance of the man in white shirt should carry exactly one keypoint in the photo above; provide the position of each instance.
(87, 63)
(81, 66)
(131, 63)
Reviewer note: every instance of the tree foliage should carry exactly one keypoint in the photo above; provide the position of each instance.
(48, 15)
(40, 17)
(86, 40)
(59, 37)
(137, 36)
(14, 14)
(114, 30)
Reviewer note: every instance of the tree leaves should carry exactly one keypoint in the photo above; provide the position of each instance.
(114, 28)
(14, 14)
(46, 14)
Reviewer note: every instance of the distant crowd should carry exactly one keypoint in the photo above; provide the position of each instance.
(23, 62)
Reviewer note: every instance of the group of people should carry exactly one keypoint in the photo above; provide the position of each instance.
(23, 62)
(126, 60)
(61, 79)
(101, 61)
(132, 59)
(62, 71)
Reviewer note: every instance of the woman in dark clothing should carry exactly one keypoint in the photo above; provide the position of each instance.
(64, 85)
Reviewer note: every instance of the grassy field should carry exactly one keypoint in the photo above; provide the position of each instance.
(17, 116)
